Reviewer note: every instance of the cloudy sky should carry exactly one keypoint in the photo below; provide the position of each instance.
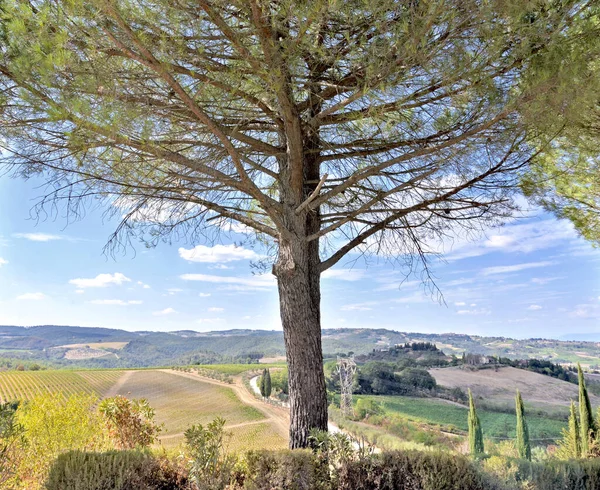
(530, 278)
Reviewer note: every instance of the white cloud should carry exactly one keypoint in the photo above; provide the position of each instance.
(218, 253)
(155, 210)
(259, 282)
(214, 309)
(118, 302)
(343, 274)
(204, 295)
(544, 280)
(144, 286)
(3, 262)
(174, 291)
(481, 311)
(534, 307)
(357, 307)
(166, 311)
(100, 281)
(222, 267)
(417, 297)
(79, 291)
(460, 303)
(228, 225)
(32, 296)
(38, 237)
(586, 311)
(512, 238)
(515, 268)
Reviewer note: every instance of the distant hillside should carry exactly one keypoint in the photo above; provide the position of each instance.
(498, 388)
(51, 344)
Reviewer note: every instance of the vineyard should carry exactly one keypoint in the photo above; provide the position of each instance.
(17, 385)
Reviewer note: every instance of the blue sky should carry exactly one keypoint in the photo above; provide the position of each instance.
(532, 277)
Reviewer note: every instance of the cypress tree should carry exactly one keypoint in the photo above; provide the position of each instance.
(569, 447)
(268, 388)
(523, 445)
(586, 417)
(475, 433)
(262, 384)
(574, 434)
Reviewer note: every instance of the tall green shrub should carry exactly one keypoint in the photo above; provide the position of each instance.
(209, 464)
(475, 433)
(523, 445)
(569, 447)
(586, 416)
(130, 422)
(261, 383)
(268, 386)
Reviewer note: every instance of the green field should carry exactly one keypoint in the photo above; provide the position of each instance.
(24, 385)
(496, 425)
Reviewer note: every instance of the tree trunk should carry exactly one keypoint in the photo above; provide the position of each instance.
(298, 280)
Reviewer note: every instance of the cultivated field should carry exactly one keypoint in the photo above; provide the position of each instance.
(17, 385)
(499, 387)
(95, 345)
(450, 416)
(179, 399)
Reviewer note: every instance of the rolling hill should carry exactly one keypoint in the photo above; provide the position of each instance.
(120, 348)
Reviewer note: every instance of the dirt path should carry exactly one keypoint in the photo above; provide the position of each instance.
(279, 417)
(114, 389)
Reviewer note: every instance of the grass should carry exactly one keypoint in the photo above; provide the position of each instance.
(235, 369)
(24, 385)
(452, 417)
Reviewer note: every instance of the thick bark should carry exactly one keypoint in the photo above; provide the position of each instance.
(298, 278)
(299, 299)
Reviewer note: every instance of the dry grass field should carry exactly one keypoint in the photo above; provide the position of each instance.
(96, 345)
(498, 387)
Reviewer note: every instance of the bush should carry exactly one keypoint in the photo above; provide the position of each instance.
(414, 470)
(555, 475)
(210, 467)
(53, 424)
(113, 470)
(285, 470)
(130, 422)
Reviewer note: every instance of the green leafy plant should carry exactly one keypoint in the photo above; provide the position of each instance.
(210, 467)
(130, 422)
(11, 440)
(53, 424)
